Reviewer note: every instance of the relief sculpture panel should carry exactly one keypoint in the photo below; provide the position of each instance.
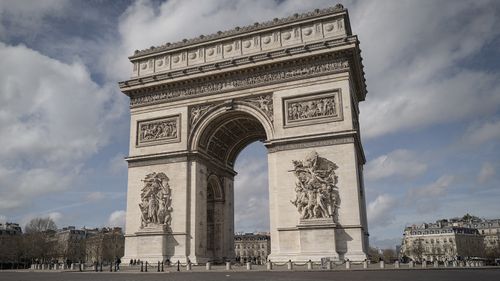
(316, 188)
(313, 108)
(157, 131)
(156, 201)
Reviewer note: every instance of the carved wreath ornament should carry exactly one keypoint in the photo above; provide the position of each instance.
(316, 191)
(156, 200)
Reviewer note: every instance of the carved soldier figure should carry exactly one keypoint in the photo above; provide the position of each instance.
(316, 193)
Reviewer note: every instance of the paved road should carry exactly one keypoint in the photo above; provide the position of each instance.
(368, 275)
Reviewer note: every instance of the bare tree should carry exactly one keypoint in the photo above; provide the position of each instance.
(37, 225)
(39, 241)
(417, 249)
(389, 255)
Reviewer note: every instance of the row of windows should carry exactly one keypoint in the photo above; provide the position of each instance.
(250, 246)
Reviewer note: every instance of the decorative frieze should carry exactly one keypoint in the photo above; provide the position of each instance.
(156, 201)
(316, 188)
(277, 73)
(313, 108)
(308, 144)
(158, 131)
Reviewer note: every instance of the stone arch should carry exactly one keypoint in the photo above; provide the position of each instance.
(228, 128)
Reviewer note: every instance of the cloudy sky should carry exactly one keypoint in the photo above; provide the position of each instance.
(430, 123)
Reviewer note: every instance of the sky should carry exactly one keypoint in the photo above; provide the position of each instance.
(430, 124)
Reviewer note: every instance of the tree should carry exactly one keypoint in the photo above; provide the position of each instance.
(38, 225)
(417, 249)
(373, 254)
(40, 243)
(389, 255)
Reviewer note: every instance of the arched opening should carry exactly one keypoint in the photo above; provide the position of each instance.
(226, 135)
(251, 205)
(221, 140)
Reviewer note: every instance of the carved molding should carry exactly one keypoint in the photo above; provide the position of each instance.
(156, 201)
(267, 75)
(312, 109)
(271, 148)
(316, 189)
(241, 30)
(158, 131)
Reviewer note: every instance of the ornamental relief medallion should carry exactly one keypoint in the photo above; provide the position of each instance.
(317, 195)
(156, 201)
(313, 108)
(158, 131)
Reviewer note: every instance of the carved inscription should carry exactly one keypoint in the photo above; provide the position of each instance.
(294, 72)
(316, 188)
(313, 107)
(157, 131)
(156, 200)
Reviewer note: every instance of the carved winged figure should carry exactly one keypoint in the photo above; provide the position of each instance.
(156, 200)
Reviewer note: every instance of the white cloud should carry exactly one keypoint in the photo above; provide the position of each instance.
(251, 204)
(381, 211)
(117, 218)
(95, 196)
(52, 118)
(415, 72)
(487, 173)
(56, 217)
(478, 134)
(439, 187)
(28, 18)
(398, 163)
(117, 164)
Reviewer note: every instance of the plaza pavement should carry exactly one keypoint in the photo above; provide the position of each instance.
(373, 274)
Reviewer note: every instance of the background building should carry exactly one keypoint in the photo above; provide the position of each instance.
(456, 238)
(490, 229)
(254, 247)
(104, 245)
(10, 244)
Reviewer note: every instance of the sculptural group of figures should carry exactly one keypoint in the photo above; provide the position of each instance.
(158, 130)
(316, 190)
(156, 200)
(310, 109)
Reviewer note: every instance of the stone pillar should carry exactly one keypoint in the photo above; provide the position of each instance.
(189, 266)
(290, 265)
(436, 263)
(382, 264)
(329, 265)
(269, 265)
(309, 265)
(396, 264)
(348, 264)
(411, 264)
(365, 264)
(249, 266)
(208, 266)
(424, 264)
(228, 265)
(72, 266)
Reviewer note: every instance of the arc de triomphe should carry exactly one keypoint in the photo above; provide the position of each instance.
(295, 85)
